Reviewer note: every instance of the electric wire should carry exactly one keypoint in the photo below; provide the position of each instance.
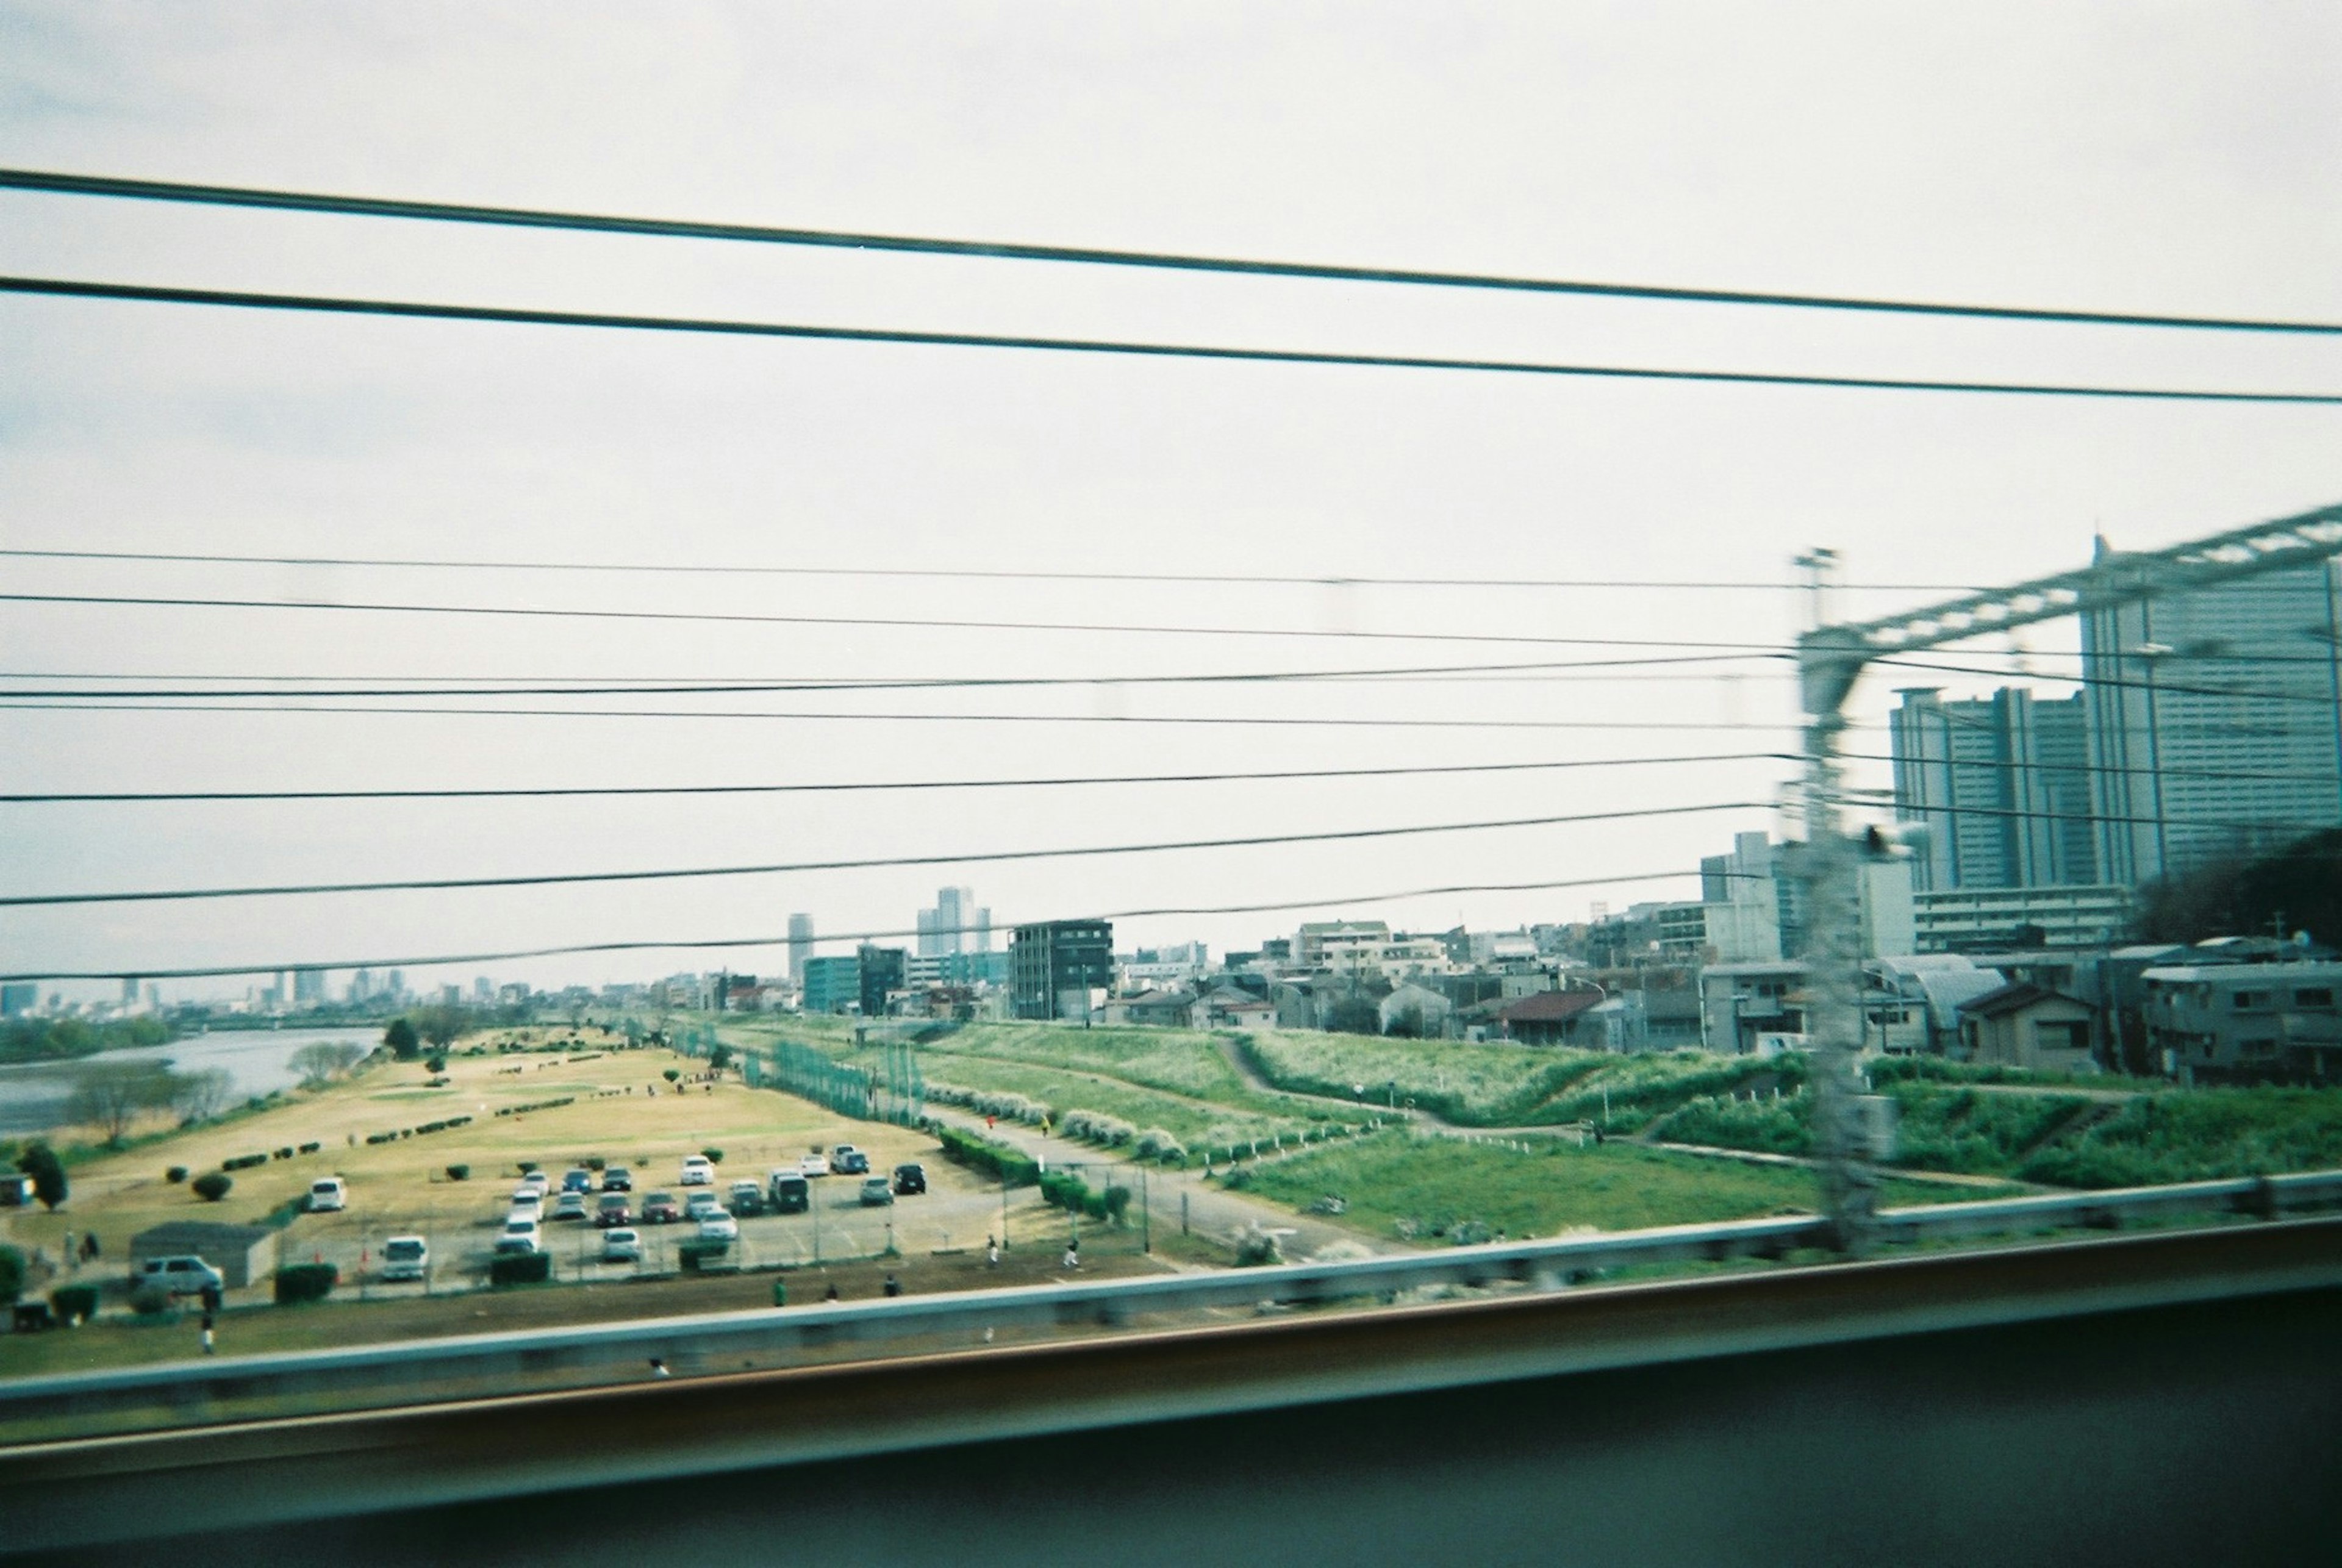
(565, 879)
(1352, 901)
(56, 183)
(621, 791)
(338, 305)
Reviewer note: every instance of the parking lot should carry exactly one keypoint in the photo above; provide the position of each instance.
(461, 1222)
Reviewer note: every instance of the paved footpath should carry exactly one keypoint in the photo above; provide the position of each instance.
(1211, 1210)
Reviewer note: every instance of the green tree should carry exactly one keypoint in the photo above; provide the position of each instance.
(442, 1022)
(1354, 1016)
(404, 1043)
(2299, 888)
(198, 1096)
(12, 1274)
(48, 1173)
(213, 1185)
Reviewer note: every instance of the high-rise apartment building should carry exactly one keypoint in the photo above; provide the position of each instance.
(2003, 785)
(956, 925)
(2215, 719)
(800, 946)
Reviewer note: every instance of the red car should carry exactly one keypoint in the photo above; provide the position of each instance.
(611, 1211)
(661, 1209)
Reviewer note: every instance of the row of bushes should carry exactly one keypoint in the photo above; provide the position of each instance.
(1014, 1166)
(425, 1128)
(1070, 1193)
(1114, 1133)
(244, 1162)
(992, 1103)
(538, 1106)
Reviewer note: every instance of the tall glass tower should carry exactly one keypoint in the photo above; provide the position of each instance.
(2215, 720)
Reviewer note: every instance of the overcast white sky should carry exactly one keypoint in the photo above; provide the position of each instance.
(2154, 158)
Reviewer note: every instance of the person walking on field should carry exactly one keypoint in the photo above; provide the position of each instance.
(1073, 1254)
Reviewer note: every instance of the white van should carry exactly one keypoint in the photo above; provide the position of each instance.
(185, 1275)
(405, 1258)
(328, 1194)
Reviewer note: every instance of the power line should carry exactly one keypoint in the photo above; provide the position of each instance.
(2117, 683)
(485, 687)
(567, 791)
(1306, 722)
(335, 305)
(2018, 814)
(1217, 579)
(2233, 775)
(721, 617)
(709, 944)
(672, 228)
(441, 884)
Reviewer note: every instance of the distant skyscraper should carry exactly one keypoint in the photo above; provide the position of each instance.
(309, 987)
(2215, 719)
(800, 946)
(954, 925)
(2003, 785)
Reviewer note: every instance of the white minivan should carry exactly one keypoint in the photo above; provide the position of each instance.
(327, 1194)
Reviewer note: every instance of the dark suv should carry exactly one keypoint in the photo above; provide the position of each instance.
(910, 1179)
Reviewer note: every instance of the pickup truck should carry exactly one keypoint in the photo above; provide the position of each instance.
(848, 1161)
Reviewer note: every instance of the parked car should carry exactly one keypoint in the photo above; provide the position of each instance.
(327, 1194)
(622, 1246)
(790, 1193)
(848, 1161)
(747, 1201)
(875, 1191)
(612, 1210)
(617, 1179)
(718, 1226)
(405, 1258)
(529, 1202)
(661, 1209)
(909, 1180)
(698, 1171)
(182, 1275)
(577, 1179)
(700, 1203)
(814, 1165)
(520, 1236)
(568, 1206)
(539, 1180)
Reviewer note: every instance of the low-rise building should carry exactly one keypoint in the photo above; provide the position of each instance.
(2246, 1023)
(244, 1255)
(1965, 919)
(1551, 1018)
(2023, 1025)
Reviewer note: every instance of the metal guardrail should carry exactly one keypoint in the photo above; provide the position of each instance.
(414, 1369)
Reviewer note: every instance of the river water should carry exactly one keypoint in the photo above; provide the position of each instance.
(33, 1094)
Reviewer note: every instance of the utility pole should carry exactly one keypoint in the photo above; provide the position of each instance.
(1830, 659)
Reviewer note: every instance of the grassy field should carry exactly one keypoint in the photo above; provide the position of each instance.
(1178, 1080)
(1400, 1185)
(2201, 1134)
(118, 1195)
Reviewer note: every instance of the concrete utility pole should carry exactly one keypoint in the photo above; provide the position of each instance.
(1830, 659)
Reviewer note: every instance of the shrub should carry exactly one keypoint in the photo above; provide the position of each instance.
(12, 1273)
(244, 1162)
(981, 1153)
(1155, 1144)
(528, 1167)
(520, 1269)
(672, 1074)
(150, 1301)
(1257, 1248)
(175, 1175)
(286, 1153)
(311, 1148)
(306, 1283)
(213, 1185)
(594, 1162)
(435, 1065)
(74, 1304)
(695, 1255)
(715, 1156)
